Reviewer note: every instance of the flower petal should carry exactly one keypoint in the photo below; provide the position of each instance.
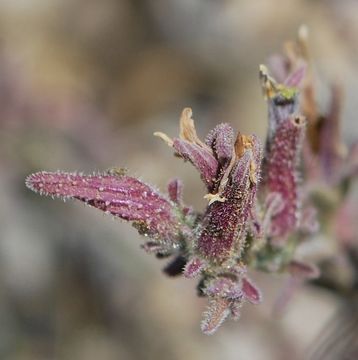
(221, 140)
(200, 157)
(191, 148)
(280, 173)
(120, 195)
(224, 225)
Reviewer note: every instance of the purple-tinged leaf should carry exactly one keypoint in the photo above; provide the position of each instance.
(221, 141)
(215, 315)
(194, 267)
(251, 292)
(122, 196)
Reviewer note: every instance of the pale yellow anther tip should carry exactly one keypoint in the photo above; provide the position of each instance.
(164, 137)
(214, 197)
(187, 112)
(263, 69)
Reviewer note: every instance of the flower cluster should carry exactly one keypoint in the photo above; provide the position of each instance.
(257, 213)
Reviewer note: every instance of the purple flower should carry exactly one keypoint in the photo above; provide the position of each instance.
(191, 148)
(226, 220)
(208, 245)
(283, 146)
(257, 211)
(281, 174)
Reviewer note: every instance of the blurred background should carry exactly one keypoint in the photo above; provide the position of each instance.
(83, 86)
